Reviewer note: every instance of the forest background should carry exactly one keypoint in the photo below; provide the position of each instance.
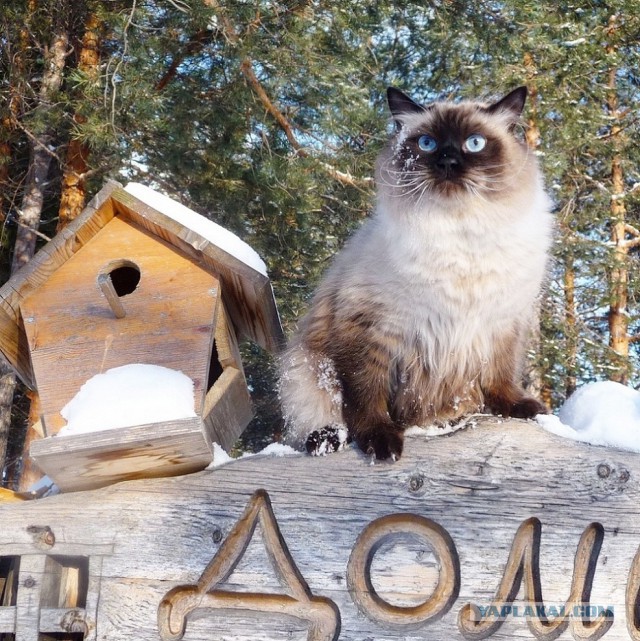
(267, 115)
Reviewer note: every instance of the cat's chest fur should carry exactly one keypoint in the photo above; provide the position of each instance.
(446, 271)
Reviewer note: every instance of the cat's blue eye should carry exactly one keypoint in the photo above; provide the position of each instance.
(475, 143)
(427, 143)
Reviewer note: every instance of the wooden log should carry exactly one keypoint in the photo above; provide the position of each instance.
(475, 535)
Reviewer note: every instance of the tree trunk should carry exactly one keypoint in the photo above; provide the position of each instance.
(7, 377)
(7, 389)
(8, 381)
(74, 193)
(618, 276)
(534, 376)
(40, 156)
(532, 132)
(571, 330)
(5, 161)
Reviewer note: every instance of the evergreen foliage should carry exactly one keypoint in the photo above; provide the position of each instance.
(267, 117)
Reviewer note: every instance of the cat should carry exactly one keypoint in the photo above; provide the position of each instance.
(424, 315)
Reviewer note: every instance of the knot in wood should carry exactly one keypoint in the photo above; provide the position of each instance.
(73, 621)
(603, 471)
(416, 482)
(29, 582)
(217, 535)
(43, 536)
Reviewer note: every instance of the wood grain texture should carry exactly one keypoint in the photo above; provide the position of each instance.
(226, 341)
(227, 408)
(73, 333)
(480, 486)
(85, 461)
(247, 293)
(12, 339)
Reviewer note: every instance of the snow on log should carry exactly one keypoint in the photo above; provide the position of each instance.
(501, 531)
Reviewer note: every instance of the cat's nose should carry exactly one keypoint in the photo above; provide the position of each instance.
(447, 163)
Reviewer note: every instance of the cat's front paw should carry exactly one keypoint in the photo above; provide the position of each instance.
(383, 444)
(528, 407)
(331, 438)
(524, 407)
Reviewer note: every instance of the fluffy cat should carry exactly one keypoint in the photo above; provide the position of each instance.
(424, 315)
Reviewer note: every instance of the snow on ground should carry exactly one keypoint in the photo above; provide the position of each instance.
(216, 235)
(220, 457)
(130, 395)
(604, 413)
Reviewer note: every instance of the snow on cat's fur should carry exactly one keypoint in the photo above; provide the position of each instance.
(425, 313)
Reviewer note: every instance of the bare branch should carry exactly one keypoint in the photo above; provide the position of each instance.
(36, 141)
(17, 221)
(180, 6)
(342, 177)
(247, 70)
(630, 229)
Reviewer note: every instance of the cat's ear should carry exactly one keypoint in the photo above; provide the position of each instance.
(400, 103)
(512, 103)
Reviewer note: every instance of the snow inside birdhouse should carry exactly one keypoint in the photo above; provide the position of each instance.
(130, 395)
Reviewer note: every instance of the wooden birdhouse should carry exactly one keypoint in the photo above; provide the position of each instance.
(137, 284)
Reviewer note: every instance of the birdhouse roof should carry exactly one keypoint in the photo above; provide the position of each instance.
(245, 286)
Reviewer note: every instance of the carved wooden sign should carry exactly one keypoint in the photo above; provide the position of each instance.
(503, 531)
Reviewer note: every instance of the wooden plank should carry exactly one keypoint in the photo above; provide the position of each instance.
(93, 597)
(28, 597)
(227, 408)
(247, 293)
(12, 340)
(7, 619)
(14, 346)
(226, 342)
(243, 541)
(74, 334)
(63, 620)
(85, 461)
(173, 350)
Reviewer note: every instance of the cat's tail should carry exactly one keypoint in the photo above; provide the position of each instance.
(310, 393)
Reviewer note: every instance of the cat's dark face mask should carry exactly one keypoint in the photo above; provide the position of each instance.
(449, 149)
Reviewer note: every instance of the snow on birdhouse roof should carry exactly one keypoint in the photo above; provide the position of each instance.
(214, 233)
(245, 287)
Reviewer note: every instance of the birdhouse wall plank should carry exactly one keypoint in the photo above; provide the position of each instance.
(226, 342)
(14, 346)
(12, 337)
(85, 461)
(73, 333)
(248, 293)
(227, 408)
(165, 349)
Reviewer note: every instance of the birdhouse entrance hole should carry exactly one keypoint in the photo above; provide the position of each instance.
(125, 276)
(116, 280)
